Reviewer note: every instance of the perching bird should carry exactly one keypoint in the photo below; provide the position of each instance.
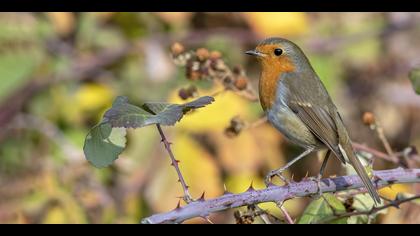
(298, 105)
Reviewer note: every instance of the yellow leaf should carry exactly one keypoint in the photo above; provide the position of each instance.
(392, 191)
(199, 170)
(63, 22)
(93, 96)
(55, 215)
(268, 24)
(240, 182)
(216, 116)
(250, 151)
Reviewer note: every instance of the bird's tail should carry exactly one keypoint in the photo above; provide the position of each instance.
(350, 155)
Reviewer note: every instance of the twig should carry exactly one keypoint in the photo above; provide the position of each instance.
(187, 197)
(281, 193)
(252, 212)
(264, 215)
(286, 215)
(396, 203)
(362, 147)
(384, 140)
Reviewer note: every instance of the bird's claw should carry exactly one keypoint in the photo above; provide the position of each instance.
(274, 173)
(317, 180)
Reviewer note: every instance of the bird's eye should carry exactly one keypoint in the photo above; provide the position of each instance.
(278, 51)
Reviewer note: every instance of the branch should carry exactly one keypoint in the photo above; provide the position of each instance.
(274, 193)
(174, 162)
(376, 153)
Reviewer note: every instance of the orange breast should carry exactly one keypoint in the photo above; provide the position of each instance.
(272, 68)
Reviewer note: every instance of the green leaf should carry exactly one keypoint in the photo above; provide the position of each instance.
(16, 68)
(361, 203)
(123, 114)
(415, 79)
(321, 210)
(106, 141)
(104, 144)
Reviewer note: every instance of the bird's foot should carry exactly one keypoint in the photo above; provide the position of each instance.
(317, 180)
(273, 173)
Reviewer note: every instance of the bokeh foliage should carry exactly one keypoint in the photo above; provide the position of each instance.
(60, 72)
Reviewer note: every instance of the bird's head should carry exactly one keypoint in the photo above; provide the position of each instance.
(279, 55)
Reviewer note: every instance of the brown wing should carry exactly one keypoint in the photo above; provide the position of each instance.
(319, 122)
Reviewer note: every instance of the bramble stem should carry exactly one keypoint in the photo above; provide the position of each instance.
(187, 197)
(282, 193)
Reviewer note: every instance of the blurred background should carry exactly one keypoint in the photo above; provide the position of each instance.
(59, 72)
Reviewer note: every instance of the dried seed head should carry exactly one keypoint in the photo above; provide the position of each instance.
(235, 127)
(202, 54)
(228, 83)
(368, 118)
(190, 92)
(177, 49)
(230, 132)
(183, 94)
(194, 75)
(241, 83)
(191, 70)
(214, 55)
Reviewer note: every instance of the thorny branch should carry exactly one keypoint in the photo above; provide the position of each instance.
(174, 162)
(203, 208)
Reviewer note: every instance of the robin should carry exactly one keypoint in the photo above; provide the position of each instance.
(298, 105)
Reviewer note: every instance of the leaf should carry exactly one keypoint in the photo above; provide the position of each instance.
(321, 209)
(123, 114)
(415, 79)
(15, 69)
(363, 202)
(267, 24)
(104, 144)
(106, 141)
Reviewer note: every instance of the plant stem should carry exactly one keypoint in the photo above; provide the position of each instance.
(282, 193)
(174, 162)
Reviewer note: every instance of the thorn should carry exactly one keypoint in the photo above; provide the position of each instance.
(306, 175)
(202, 199)
(178, 206)
(225, 192)
(251, 188)
(207, 219)
(177, 161)
(376, 179)
(292, 180)
(270, 185)
(187, 187)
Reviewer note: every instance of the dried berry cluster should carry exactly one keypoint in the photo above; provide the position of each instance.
(235, 127)
(203, 64)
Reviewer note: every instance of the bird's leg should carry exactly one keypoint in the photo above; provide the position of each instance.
(321, 172)
(279, 171)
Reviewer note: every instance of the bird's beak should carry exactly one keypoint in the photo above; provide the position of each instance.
(255, 53)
